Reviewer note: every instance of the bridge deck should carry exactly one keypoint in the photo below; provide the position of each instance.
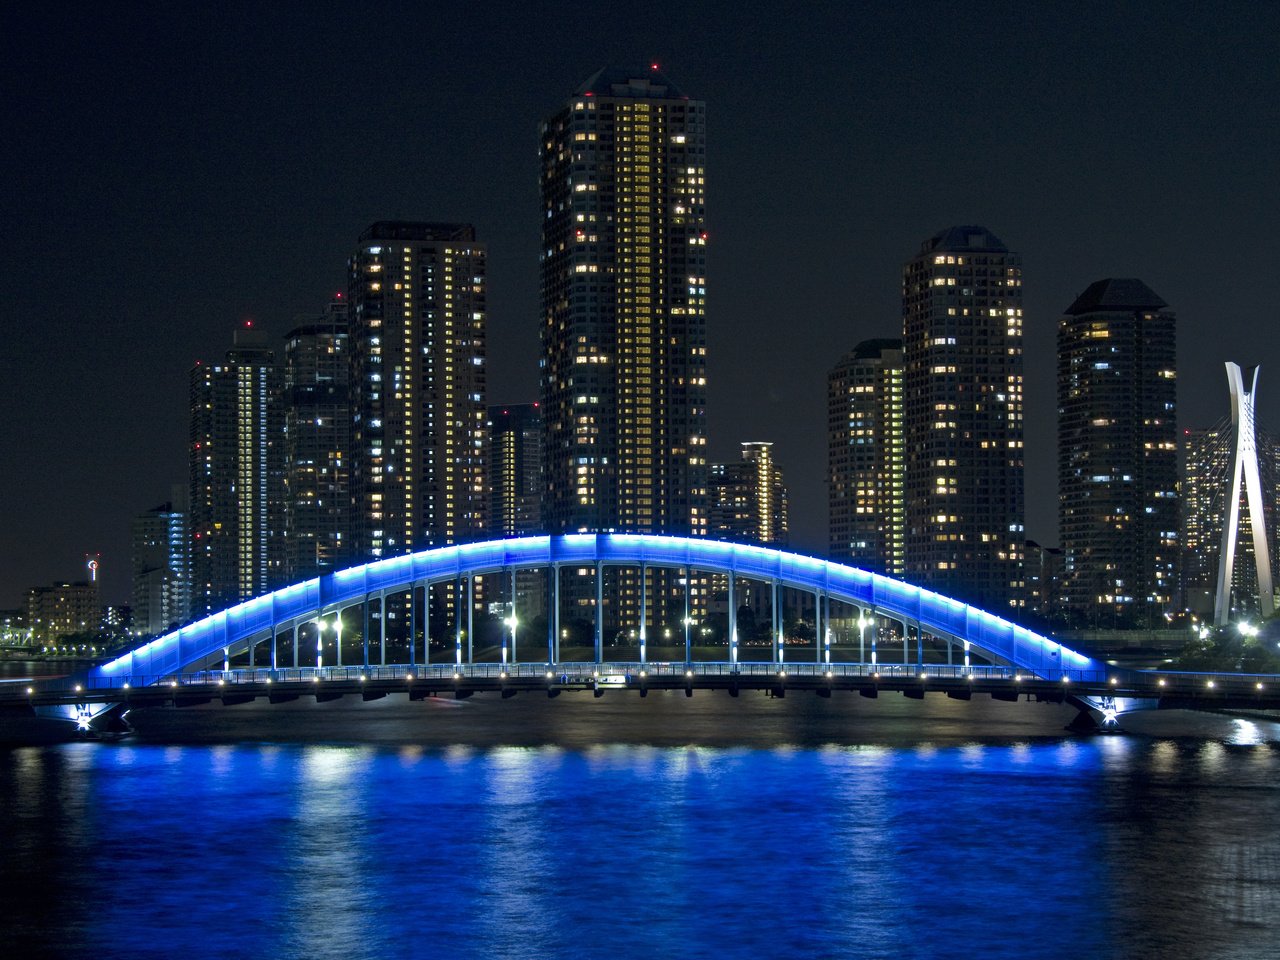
(1194, 690)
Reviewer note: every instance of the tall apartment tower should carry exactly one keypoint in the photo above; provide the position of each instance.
(624, 324)
(1118, 456)
(749, 498)
(515, 470)
(866, 458)
(236, 475)
(160, 545)
(1205, 501)
(317, 444)
(962, 380)
(417, 295)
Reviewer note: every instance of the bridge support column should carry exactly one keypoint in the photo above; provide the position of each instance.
(733, 622)
(599, 612)
(919, 646)
(471, 619)
(512, 621)
(413, 625)
(779, 650)
(688, 576)
(817, 630)
(426, 624)
(644, 609)
(382, 633)
(457, 620)
(364, 634)
(553, 621)
(226, 659)
(337, 634)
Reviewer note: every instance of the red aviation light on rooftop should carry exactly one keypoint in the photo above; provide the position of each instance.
(653, 66)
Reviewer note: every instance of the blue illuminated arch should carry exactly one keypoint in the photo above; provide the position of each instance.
(300, 603)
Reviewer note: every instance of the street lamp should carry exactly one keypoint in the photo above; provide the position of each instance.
(512, 623)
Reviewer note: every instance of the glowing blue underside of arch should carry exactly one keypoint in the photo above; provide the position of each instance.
(943, 616)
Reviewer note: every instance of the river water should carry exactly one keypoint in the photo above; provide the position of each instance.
(663, 827)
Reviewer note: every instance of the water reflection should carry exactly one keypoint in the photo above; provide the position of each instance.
(1130, 846)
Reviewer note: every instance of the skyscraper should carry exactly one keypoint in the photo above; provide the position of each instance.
(160, 548)
(417, 295)
(866, 460)
(515, 469)
(749, 498)
(1204, 496)
(236, 475)
(624, 291)
(962, 379)
(1117, 456)
(317, 444)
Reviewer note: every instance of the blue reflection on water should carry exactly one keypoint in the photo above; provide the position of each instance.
(1029, 850)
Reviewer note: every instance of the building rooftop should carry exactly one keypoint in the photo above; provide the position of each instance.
(964, 238)
(876, 348)
(1112, 295)
(412, 230)
(640, 82)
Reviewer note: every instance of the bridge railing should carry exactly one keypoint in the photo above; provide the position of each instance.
(575, 671)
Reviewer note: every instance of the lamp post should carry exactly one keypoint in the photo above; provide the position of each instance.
(512, 623)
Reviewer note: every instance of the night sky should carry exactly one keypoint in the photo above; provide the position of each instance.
(173, 170)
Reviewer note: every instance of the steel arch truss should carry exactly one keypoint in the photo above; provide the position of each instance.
(289, 607)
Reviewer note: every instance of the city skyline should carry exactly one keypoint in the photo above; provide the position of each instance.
(812, 217)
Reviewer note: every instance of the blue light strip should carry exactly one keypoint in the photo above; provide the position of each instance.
(304, 601)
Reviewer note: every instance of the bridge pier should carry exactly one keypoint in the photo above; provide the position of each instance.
(1101, 714)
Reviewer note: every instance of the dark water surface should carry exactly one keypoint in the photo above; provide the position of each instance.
(667, 827)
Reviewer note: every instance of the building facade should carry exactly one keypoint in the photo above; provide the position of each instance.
(418, 319)
(1204, 493)
(515, 470)
(624, 293)
(749, 498)
(963, 413)
(62, 610)
(866, 458)
(317, 445)
(236, 493)
(1118, 457)
(161, 542)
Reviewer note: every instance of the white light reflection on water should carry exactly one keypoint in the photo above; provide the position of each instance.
(331, 891)
(1246, 733)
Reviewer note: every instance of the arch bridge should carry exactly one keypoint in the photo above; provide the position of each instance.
(275, 644)
(256, 626)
